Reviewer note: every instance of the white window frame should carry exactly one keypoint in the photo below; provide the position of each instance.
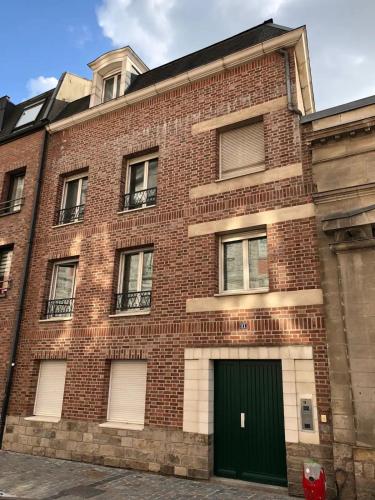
(117, 76)
(79, 177)
(244, 237)
(121, 275)
(6, 278)
(134, 161)
(52, 292)
(15, 178)
(26, 108)
(250, 170)
(43, 417)
(119, 423)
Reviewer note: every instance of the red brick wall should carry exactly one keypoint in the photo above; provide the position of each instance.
(15, 155)
(183, 267)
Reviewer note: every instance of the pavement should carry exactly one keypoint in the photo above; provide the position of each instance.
(28, 477)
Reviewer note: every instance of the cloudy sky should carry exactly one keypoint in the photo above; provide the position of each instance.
(42, 38)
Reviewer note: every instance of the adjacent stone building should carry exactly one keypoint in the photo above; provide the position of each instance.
(341, 142)
(173, 319)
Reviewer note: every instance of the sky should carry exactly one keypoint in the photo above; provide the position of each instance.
(41, 39)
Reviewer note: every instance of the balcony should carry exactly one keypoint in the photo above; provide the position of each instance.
(4, 286)
(11, 206)
(59, 308)
(69, 215)
(133, 301)
(140, 199)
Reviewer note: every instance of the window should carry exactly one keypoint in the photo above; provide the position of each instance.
(62, 291)
(14, 199)
(244, 264)
(135, 281)
(127, 393)
(50, 389)
(242, 150)
(29, 114)
(111, 87)
(5, 261)
(141, 183)
(73, 200)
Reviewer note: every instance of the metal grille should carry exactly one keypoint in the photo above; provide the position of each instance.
(10, 206)
(58, 308)
(133, 300)
(72, 214)
(138, 199)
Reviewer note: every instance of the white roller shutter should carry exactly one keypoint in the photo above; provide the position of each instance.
(50, 390)
(127, 392)
(241, 150)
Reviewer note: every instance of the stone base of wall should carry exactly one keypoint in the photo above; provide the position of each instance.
(152, 449)
(364, 469)
(297, 454)
(160, 450)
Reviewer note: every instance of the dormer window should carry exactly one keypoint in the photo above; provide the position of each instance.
(111, 87)
(29, 114)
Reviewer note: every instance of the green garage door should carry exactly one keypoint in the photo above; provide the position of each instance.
(249, 437)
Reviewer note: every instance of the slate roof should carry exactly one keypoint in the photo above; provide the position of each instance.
(252, 36)
(14, 111)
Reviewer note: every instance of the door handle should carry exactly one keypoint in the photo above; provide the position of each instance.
(242, 420)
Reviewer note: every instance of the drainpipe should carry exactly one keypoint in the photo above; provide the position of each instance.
(291, 106)
(21, 298)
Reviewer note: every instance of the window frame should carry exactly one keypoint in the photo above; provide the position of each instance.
(244, 237)
(72, 178)
(123, 423)
(7, 272)
(52, 291)
(42, 416)
(146, 159)
(259, 167)
(30, 106)
(121, 273)
(116, 75)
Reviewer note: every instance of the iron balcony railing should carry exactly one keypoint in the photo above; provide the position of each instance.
(10, 206)
(71, 214)
(4, 286)
(133, 300)
(59, 308)
(138, 199)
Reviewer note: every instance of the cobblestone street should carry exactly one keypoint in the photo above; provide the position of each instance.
(28, 477)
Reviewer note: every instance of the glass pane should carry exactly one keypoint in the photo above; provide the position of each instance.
(147, 271)
(16, 191)
(258, 263)
(118, 85)
(108, 89)
(29, 115)
(65, 281)
(233, 266)
(130, 283)
(71, 194)
(136, 177)
(82, 201)
(152, 171)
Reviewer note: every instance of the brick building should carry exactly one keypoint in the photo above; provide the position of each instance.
(22, 145)
(174, 315)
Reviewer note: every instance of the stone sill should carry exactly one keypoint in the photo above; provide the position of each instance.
(132, 313)
(130, 210)
(122, 425)
(41, 418)
(51, 320)
(242, 292)
(68, 224)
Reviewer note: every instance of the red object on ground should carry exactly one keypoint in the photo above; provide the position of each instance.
(314, 481)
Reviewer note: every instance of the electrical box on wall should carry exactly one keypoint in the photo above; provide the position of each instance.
(307, 415)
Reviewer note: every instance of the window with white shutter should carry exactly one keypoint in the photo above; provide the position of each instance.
(242, 150)
(127, 393)
(50, 390)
